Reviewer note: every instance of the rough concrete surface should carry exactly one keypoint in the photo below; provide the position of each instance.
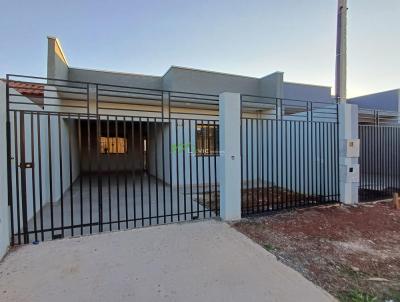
(197, 261)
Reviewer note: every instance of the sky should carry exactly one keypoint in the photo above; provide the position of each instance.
(245, 37)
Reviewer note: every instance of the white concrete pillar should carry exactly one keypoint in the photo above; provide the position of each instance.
(229, 137)
(349, 153)
(4, 208)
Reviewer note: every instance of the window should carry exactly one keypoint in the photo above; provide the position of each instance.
(207, 139)
(113, 145)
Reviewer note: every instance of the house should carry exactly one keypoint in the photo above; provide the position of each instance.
(381, 107)
(93, 150)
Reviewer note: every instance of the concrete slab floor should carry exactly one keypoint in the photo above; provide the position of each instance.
(195, 261)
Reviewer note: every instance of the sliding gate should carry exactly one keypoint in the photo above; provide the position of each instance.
(87, 158)
(290, 155)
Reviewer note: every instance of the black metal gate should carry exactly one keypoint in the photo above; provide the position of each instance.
(290, 155)
(379, 133)
(86, 158)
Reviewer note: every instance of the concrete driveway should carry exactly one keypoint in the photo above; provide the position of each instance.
(195, 261)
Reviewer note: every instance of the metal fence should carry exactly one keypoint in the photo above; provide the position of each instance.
(379, 133)
(86, 158)
(289, 154)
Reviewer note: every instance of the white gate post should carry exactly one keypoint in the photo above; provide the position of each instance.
(229, 138)
(349, 152)
(4, 208)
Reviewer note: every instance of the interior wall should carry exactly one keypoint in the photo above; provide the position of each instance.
(93, 161)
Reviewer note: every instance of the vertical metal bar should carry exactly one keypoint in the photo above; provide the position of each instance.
(277, 156)
(203, 166)
(292, 152)
(331, 144)
(117, 176)
(268, 155)
(262, 166)
(216, 151)
(23, 178)
(241, 155)
(90, 174)
(133, 172)
(156, 166)
(98, 167)
(125, 175)
(17, 150)
(60, 155)
(252, 165)
(148, 167)
(295, 157)
(258, 164)
(190, 168)
(80, 173)
(197, 170)
(304, 176)
(247, 166)
(141, 148)
(70, 174)
(209, 165)
(170, 162)
(184, 166)
(281, 158)
(309, 160)
(33, 178)
(50, 176)
(177, 168)
(40, 175)
(163, 166)
(322, 178)
(110, 219)
(287, 143)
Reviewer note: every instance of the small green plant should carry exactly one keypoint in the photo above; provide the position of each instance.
(270, 247)
(357, 296)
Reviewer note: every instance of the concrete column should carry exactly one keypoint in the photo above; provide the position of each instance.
(4, 208)
(229, 137)
(349, 153)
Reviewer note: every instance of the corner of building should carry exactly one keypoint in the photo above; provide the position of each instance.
(57, 64)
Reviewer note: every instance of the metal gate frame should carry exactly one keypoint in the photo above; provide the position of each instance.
(183, 187)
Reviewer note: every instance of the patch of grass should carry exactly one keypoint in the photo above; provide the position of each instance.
(357, 296)
(270, 247)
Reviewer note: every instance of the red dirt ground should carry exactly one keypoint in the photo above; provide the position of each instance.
(352, 252)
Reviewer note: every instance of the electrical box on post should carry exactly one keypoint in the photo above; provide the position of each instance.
(351, 147)
(350, 173)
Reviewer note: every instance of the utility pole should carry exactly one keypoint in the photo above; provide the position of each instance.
(341, 52)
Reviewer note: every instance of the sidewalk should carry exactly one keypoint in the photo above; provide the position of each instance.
(197, 261)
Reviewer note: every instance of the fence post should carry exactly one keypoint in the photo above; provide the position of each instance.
(349, 152)
(230, 161)
(4, 208)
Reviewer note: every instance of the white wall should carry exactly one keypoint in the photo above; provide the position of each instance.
(57, 66)
(304, 92)
(181, 134)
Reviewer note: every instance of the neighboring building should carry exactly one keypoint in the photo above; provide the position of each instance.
(384, 101)
(382, 107)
